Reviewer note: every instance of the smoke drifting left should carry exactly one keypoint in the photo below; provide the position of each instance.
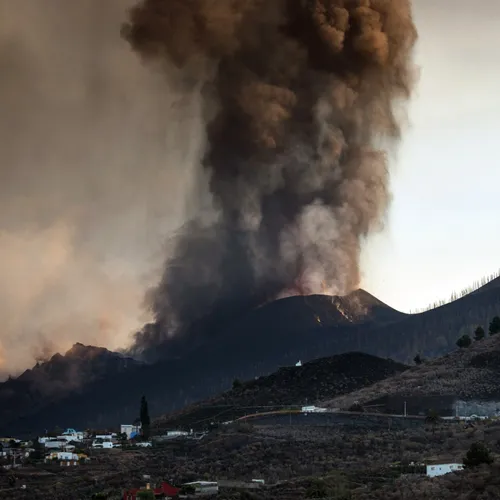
(263, 123)
(91, 178)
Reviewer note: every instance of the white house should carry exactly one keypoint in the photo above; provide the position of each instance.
(313, 409)
(204, 487)
(441, 469)
(63, 455)
(101, 443)
(71, 435)
(130, 430)
(55, 443)
(106, 437)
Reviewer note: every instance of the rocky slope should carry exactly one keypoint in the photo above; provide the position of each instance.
(470, 373)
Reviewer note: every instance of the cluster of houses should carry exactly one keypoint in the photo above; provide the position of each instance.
(66, 447)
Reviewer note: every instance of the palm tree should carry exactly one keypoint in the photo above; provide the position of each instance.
(433, 419)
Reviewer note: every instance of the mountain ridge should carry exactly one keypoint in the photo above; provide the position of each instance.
(50, 381)
(277, 334)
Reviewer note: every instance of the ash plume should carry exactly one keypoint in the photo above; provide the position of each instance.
(91, 177)
(302, 105)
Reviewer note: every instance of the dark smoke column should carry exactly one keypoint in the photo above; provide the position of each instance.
(305, 93)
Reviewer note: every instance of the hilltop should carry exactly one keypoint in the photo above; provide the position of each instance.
(289, 386)
(50, 381)
(470, 373)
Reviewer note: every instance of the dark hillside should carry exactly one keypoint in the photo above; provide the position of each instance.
(277, 334)
(432, 333)
(50, 381)
(290, 386)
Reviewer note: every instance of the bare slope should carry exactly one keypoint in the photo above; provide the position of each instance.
(467, 373)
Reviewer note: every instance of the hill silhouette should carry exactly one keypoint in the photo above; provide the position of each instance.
(48, 382)
(272, 336)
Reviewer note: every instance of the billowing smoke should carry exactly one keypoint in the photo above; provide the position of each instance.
(302, 104)
(92, 177)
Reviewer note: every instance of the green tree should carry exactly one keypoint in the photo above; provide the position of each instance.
(479, 333)
(146, 495)
(478, 454)
(37, 453)
(145, 420)
(237, 384)
(418, 360)
(317, 489)
(464, 341)
(433, 419)
(494, 326)
(122, 437)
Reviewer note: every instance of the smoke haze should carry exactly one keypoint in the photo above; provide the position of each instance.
(103, 157)
(95, 164)
(302, 101)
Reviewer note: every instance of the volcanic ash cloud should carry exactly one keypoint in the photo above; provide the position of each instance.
(301, 104)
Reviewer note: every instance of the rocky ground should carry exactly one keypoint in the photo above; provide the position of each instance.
(346, 463)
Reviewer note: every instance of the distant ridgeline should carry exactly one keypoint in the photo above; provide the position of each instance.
(476, 285)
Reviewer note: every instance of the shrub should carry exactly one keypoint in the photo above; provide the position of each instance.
(464, 341)
(479, 333)
(478, 454)
(494, 326)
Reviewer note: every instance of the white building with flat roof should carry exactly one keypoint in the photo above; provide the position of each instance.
(441, 469)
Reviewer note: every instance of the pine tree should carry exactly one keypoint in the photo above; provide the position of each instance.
(145, 420)
(495, 326)
(479, 333)
(464, 341)
(417, 359)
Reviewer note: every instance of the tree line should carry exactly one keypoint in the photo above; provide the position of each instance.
(479, 333)
(466, 340)
(458, 295)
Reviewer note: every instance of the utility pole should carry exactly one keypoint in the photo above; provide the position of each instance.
(405, 409)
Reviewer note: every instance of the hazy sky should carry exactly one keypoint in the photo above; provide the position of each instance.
(444, 230)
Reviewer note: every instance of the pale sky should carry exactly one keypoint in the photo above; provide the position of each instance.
(444, 224)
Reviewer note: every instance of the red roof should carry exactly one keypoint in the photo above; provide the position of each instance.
(165, 488)
(169, 491)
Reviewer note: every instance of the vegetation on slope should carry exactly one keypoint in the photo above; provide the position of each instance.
(469, 373)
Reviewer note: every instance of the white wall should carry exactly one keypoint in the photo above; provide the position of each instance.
(441, 469)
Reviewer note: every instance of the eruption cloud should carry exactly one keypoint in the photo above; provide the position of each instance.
(302, 101)
(91, 178)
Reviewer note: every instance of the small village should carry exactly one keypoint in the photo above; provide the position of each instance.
(72, 448)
